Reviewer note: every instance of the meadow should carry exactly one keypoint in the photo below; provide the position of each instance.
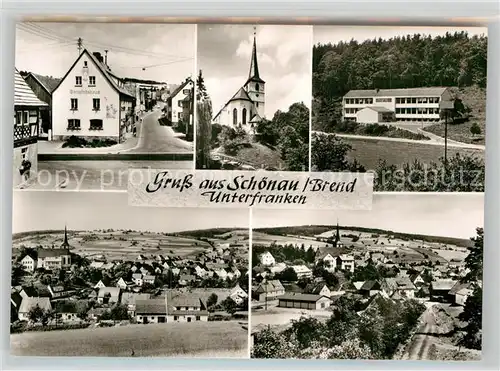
(207, 339)
(368, 152)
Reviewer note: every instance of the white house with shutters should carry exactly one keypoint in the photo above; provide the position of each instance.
(91, 101)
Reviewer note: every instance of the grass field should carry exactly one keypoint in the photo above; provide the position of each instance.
(259, 238)
(369, 151)
(118, 244)
(207, 339)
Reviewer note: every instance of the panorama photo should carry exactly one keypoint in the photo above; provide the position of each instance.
(401, 282)
(100, 278)
(405, 102)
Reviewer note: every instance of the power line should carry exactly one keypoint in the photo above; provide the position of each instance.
(116, 48)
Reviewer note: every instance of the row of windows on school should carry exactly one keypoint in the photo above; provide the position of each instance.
(96, 104)
(412, 100)
(403, 111)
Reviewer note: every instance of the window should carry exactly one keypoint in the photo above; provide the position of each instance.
(257, 87)
(74, 124)
(74, 104)
(179, 103)
(92, 80)
(186, 91)
(198, 318)
(96, 124)
(96, 104)
(25, 118)
(78, 80)
(85, 63)
(179, 116)
(235, 117)
(176, 318)
(244, 113)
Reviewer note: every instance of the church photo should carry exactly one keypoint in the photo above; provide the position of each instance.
(253, 97)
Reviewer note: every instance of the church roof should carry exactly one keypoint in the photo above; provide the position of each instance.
(241, 94)
(253, 75)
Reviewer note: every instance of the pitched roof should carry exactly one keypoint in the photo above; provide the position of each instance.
(459, 286)
(28, 303)
(30, 291)
(179, 88)
(412, 92)
(16, 298)
(273, 285)
(370, 285)
(23, 95)
(241, 94)
(295, 296)
(130, 298)
(49, 83)
(315, 288)
(108, 75)
(175, 299)
(442, 284)
(51, 253)
(151, 306)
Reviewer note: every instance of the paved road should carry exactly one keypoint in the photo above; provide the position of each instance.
(94, 175)
(156, 138)
(435, 140)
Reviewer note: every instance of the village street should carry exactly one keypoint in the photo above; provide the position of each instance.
(154, 138)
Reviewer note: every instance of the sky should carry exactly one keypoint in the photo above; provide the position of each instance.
(445, 215)
(166, 50)
(284, 56)
(335, 34)
(46, 210)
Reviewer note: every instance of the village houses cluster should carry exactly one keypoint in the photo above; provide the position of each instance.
(66, 288)
(336, 271)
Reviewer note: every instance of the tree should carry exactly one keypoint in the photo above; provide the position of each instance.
(473, 315)
(35, 314)
(474, 260)
(288, 275)
(202, 93)
(475, 129)
(329, 153)
(229, 305)
(119, 313)
(270, 344)
(17, 272)
(212, 300)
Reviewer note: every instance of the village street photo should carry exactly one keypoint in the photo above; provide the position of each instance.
(95, 99)
(402, 281)
(253, 97)
(101, 278)
(408, 103)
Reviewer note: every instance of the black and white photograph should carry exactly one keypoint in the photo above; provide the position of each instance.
(253, 97)
(101, 278)
(400, 282)
(94, 99)
(408, 103)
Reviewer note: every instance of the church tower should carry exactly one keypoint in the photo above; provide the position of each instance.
(255, 85)
(65, 244)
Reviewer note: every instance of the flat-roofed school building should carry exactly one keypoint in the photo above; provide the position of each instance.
(388, 105)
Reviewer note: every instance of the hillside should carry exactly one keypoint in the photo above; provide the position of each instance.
(402, 62)
(474, 98)
(314, 230)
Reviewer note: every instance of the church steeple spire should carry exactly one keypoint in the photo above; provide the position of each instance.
(65, 244)
(254, 65)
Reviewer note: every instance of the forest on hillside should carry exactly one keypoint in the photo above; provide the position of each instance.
(455, 59)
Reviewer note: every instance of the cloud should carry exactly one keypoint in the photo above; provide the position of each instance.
(284, 55)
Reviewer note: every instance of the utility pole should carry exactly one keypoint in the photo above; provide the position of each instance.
(80, 45)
